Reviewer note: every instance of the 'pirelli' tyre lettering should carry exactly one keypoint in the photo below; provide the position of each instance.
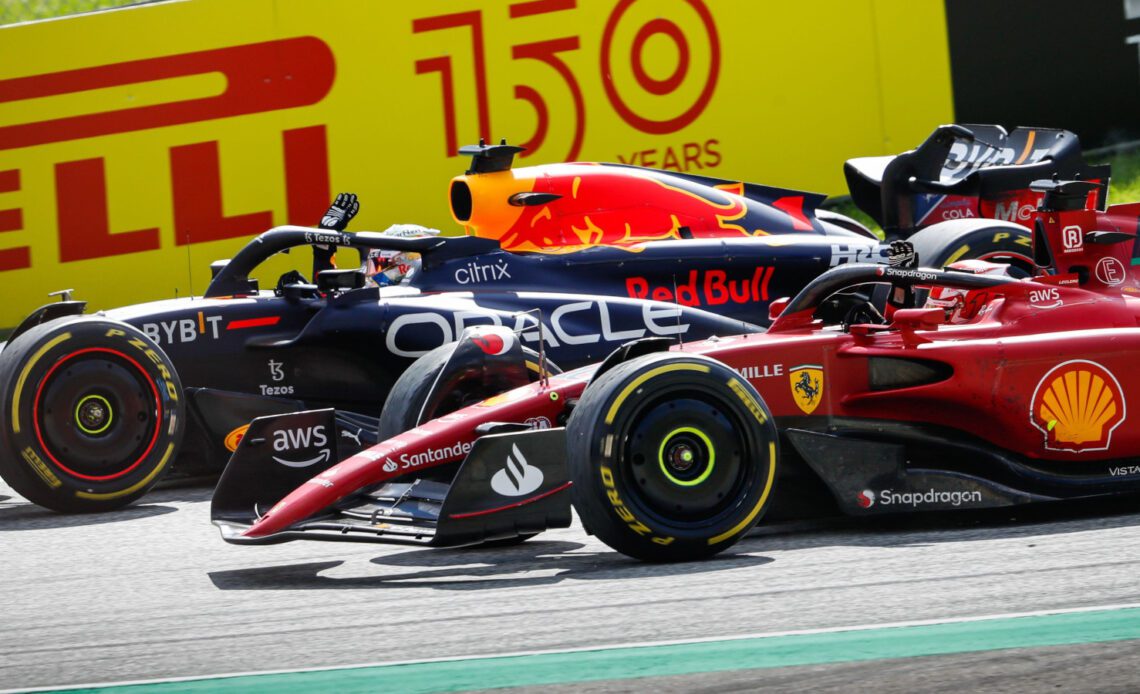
(36, 463)
(749, 401)
(1020, 240)
(623, 511)
(153, 356)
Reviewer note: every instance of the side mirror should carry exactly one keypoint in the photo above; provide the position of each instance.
(908, 320)
(777, 306)
(340, 280)
(918, 318)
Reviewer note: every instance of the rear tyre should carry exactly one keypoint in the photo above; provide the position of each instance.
(672, 457)
(407, 406)
(93, 413)
(845, 222)
(967, 239)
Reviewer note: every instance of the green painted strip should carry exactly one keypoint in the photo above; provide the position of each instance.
(680, 659)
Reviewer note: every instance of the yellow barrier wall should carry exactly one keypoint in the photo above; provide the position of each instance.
(140, 143)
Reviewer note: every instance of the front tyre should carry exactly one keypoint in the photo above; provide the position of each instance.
(93, 414)
(451, 386)
(672, 457)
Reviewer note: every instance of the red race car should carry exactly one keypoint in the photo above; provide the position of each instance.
(963, 390)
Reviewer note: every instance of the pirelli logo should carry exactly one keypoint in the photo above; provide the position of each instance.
(149, 94)
(36, 463)
(749, 401)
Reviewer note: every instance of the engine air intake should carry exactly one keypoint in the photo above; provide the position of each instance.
(461, 201)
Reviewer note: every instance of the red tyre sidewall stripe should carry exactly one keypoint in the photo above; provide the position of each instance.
(157, 423)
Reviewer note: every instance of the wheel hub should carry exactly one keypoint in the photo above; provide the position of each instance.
(97, 414)
(681, 457)
(93, 414)
(687, 456)
(685, 459)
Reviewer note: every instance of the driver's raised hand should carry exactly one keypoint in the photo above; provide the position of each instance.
(341, 212)
(901, 254)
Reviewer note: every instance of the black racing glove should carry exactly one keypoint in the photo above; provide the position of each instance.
(341, 212)
(902, 255)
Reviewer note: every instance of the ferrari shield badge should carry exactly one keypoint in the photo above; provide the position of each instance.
(1076, 406)
(807, 386)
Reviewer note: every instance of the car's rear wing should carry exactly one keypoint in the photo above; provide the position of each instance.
(964, 171)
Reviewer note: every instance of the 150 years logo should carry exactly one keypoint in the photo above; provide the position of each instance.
(648, 98)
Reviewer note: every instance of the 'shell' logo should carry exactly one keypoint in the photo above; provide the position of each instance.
(1076, 406)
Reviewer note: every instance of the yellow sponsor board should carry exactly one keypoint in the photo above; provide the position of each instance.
(139, 145)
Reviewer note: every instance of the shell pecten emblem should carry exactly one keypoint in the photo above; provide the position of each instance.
(1077, 405)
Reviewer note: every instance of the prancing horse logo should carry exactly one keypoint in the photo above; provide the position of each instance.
(807, 386)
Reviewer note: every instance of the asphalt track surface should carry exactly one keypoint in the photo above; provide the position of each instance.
(151, 592)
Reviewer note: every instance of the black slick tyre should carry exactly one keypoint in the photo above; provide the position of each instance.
(407, 406)
(92, 413)
(981, 239)
(672, 457)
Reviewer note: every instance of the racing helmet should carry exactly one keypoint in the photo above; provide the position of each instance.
(953, 299)
(383, 267)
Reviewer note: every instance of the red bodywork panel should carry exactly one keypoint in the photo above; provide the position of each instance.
(438, 442)
(1003, 365)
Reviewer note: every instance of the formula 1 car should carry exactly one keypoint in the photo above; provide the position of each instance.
(95, 408)
(1014, 392)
